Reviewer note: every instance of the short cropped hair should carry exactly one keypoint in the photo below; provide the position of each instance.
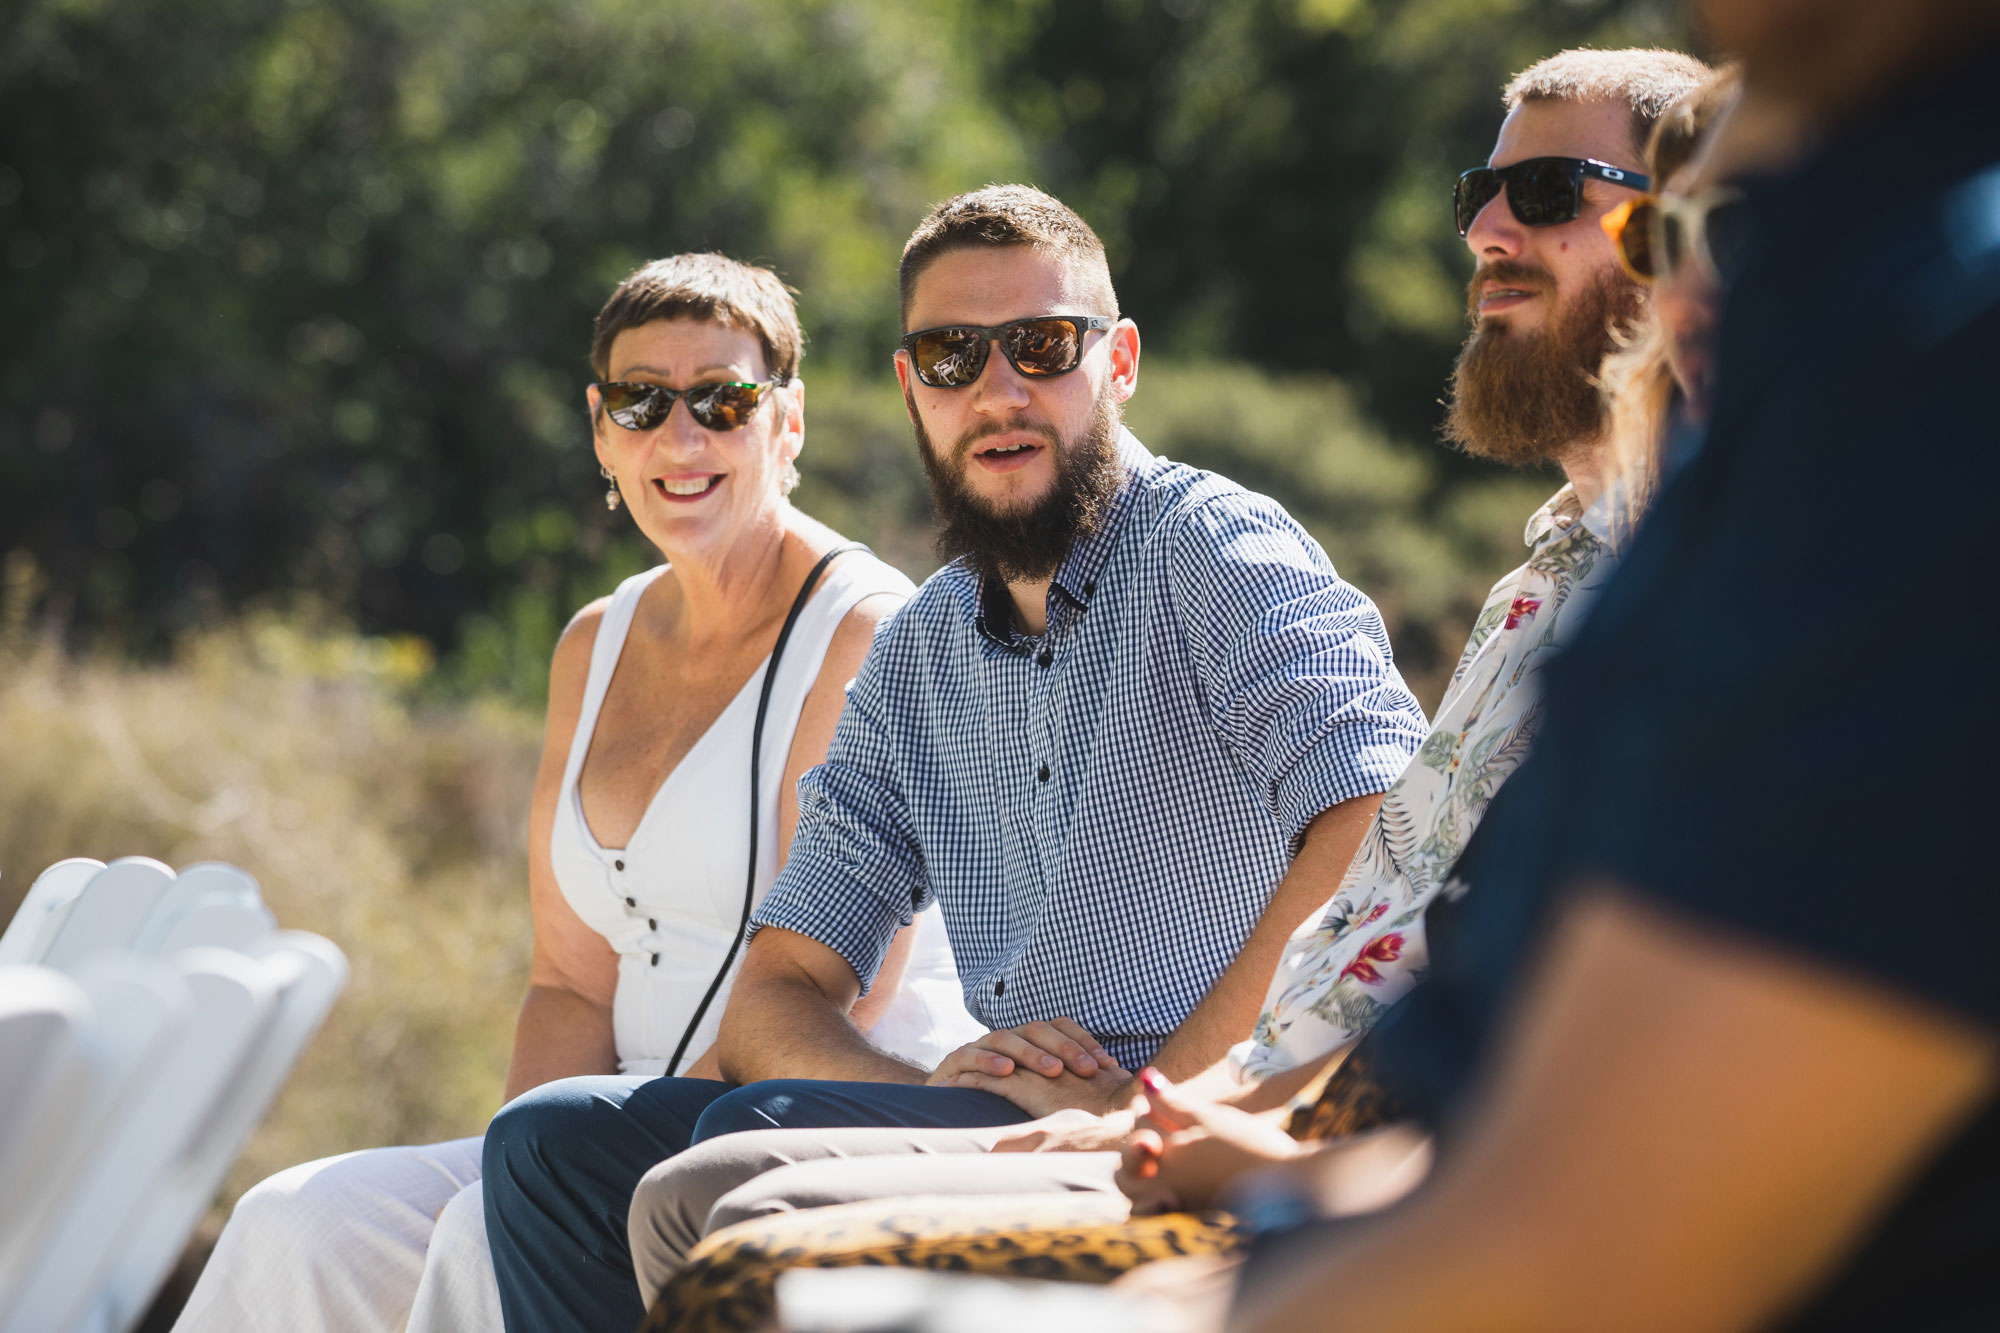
(1007, 215)
(712, 288)
(1647, 81)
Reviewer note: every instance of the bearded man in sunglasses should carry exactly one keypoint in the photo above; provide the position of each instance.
(1549, 298)
(1127, 741)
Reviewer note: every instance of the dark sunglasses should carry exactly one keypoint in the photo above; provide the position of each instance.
(1542, 191)
(713, 406)
(1656, 236)
(1040, 348)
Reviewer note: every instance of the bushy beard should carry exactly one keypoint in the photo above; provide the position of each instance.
(1027, 543)
(1529, 397)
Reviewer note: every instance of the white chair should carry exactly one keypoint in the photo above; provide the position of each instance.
(44, 909)
(209, 903)
(125, 1012)
(166, 1015)
(909, 1300)
(308, 973)
(233, 999)
(110, 911)
(42, 1018)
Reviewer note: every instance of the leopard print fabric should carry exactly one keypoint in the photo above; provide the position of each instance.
(730, 1281)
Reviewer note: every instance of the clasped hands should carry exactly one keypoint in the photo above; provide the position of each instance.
(1043, 1068)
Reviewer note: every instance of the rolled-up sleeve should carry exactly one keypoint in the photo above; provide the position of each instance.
(855, 875)
(1295, 663)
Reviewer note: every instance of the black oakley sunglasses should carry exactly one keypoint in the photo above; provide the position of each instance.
(713, 406)
(1040, 348)
(1542, 191)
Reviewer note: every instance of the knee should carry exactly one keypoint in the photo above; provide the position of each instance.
(277, 1210)
(534, 1136)
(746, 1203)
(300, 1209)
(772, 1104)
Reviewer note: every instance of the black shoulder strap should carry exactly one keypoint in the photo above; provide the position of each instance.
(756, 753)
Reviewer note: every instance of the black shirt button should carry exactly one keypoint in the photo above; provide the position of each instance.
(1000, 987)
(1046, 659)
(656, 960)
(617, 865)
(1090, 588)
(1043, 776)
(631, 902)
(652, 923)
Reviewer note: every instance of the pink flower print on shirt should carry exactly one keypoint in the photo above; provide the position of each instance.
(1382, 949)
(1353, 918)
(1523, 609)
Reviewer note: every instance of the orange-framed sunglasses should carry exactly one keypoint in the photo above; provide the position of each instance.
(1654, 234)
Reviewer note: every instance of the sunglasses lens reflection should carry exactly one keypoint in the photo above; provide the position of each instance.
(724, 406)
(633, 406)
(1043, 346)
(949, 358)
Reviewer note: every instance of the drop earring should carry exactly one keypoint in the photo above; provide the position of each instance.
(610, 490)
(788, 478)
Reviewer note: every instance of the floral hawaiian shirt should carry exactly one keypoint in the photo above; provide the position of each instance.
(1342, 969)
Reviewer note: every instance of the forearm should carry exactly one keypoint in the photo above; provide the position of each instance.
(786, 1027)
(1225, 1016)
(1229, 1011)
(559, 1035)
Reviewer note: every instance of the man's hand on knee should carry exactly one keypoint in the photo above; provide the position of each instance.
(1048, 1049)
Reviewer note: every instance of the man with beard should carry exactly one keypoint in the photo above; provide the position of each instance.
(1127, 740)
(1544, 299)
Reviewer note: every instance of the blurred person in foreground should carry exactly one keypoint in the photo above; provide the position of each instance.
(1108, 618)
(652, 826)
(1548, 300)
(1750, 1076)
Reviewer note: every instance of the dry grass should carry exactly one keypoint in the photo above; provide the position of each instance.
(393, 828)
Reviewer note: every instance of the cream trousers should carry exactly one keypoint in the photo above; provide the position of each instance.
(368, 1242)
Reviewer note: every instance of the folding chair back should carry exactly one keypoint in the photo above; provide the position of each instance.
(307, 974)
(132, 1011)
(44, 909)
(233, 1002)
(110, 910)
(209, 903)
(42, 1018)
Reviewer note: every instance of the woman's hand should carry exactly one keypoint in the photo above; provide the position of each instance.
(1072, 1130)
(1184, 1152)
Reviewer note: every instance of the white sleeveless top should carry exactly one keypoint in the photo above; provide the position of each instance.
(671, 900)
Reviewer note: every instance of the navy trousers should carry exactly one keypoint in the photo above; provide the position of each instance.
(562, 1161)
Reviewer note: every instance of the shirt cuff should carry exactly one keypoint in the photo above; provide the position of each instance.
(1337, 770)
(835, 911)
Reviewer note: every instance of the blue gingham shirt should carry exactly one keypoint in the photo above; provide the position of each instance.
(1104, 810)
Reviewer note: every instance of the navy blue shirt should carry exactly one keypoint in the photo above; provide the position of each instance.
(1779, 718)
(1101, 811)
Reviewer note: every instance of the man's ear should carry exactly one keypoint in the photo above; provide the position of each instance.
(902, 360)
(1124, 360)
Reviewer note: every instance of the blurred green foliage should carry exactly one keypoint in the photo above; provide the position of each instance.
(299, 294)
